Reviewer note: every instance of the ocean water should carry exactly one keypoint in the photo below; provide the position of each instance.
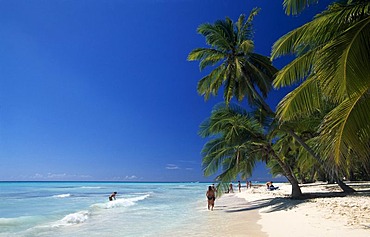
(83, 209)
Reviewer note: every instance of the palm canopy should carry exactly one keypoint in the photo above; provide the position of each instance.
(235, 65)
(235, 142)
(333, 60)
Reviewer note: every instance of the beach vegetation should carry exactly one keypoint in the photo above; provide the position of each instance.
(236, 66)
(320, 130)
(332, 65)
(237, 139)
(244, 74)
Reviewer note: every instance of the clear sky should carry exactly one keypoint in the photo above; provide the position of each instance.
(102, 90)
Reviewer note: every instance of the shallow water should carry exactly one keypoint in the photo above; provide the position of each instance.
(83, 209)
(64, 209)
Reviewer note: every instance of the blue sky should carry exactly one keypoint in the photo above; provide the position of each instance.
(101, 90)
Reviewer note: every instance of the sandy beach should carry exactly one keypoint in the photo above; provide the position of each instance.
(327, 212)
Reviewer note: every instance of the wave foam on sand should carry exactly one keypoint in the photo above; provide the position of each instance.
(330, 213)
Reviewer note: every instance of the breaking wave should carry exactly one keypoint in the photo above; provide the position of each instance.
(62, 195)
(123, 202)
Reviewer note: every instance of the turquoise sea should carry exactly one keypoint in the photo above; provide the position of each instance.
(83, 209)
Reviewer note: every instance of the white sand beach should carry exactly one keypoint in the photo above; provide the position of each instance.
(328, 213)
(258, 212)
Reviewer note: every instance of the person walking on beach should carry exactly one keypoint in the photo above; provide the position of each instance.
(247, 184)
(239, 186)
(211, 198)
(112, 196)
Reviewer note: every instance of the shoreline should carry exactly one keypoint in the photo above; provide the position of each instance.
(237, 219)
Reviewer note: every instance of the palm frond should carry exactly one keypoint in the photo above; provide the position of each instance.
(252, 14)
(301, 102)
(233, 134)
(293, 7)
(287, 44)
(263, 63)
(212, 82)
(246, 46)
(295, 71)
(206, 56)
(347, 127)
(215, 36)
(344, 64)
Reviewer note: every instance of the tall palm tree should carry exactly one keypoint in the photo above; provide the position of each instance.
(238, 68)
(333, 61)
(237, 141)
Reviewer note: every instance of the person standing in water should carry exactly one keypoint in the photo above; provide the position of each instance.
(211, 196)
(112, 196)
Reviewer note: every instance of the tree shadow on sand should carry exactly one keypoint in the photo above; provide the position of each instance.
(286, 203)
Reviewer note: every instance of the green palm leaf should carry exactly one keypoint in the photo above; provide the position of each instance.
(211, 83)
(333, 60)
(207, 57)
(301, 102)
(347, 127)
(351, 72)
(293, 7)
(242, 72)
(295, 71)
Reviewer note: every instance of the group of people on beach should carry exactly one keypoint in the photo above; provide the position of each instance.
(211, 192)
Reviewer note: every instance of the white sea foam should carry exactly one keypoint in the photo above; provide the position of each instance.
(76, 218)
(72, 219)
(62, 195)
(155, 203)
(122, 202)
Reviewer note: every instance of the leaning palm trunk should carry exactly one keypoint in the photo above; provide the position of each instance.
(296, 190)
(341, 184)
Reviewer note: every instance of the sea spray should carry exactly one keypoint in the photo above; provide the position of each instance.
(75, 218)
(121, 202)
(62, 195)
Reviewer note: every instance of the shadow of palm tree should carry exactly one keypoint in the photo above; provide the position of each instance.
(286, 203)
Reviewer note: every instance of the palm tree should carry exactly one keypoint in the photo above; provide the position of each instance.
(296, 6)
(333, 61)
(237, 141)
(238, 68)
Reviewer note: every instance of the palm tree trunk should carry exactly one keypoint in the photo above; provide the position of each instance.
(341, 184)
(344, 187)
(296, 190)
(264, 104)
